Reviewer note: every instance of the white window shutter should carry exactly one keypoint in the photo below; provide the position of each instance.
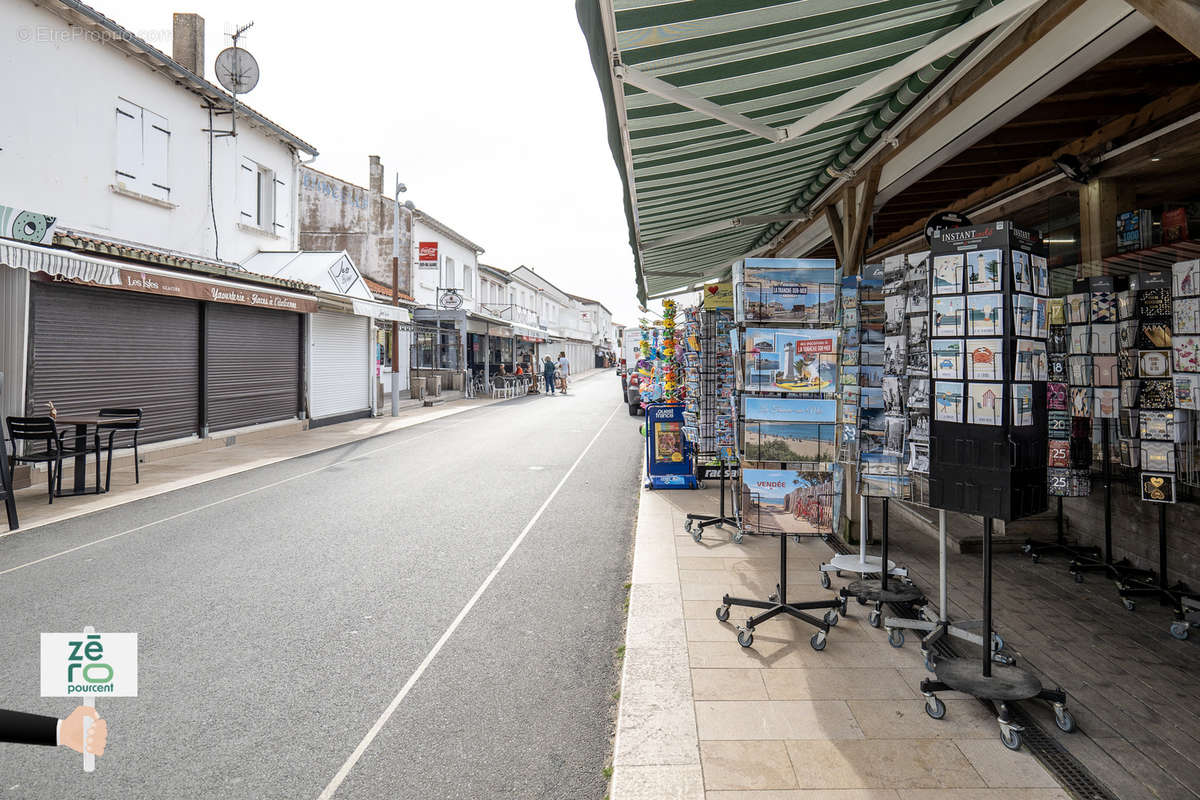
(129, 144)
(283, 207)
(247, 190)
(156, 134)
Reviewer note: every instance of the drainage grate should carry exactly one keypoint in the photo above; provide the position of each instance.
(1065, 768)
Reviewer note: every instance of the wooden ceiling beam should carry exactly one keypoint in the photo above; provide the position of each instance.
(1179, 18)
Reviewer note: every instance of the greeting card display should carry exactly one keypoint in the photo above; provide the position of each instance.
(788, 501)
(987, 445)
(789, 359)
(802, 290)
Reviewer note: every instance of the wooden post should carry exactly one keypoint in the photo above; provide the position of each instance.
(856, 231)
(835, 229)
(1100, 200)
(1179, 19)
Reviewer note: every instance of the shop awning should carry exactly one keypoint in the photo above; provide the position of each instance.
(727, 118)
(369, 308)
(486, 323)
(72, 267)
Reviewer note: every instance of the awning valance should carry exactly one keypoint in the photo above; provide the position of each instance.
(727, 118)
(72, 267)
(369, 308)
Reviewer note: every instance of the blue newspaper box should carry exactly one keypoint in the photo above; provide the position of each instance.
(669, 461)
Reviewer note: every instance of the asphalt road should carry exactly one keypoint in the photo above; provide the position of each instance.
(284, 612)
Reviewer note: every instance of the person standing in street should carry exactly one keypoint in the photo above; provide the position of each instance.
(564, 368)
(548, 374)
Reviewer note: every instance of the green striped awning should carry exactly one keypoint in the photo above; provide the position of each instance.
(688, 174)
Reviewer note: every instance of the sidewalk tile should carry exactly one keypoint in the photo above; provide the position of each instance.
(746, 765)
(1004, 768)
(657, 782)
(863, 683)
(982, 794)
(882, 764)
(765, 653)
(906, 719)
(808, 794)
(775, 719)
(728, 684)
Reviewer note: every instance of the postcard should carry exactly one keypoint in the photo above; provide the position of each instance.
(1154, 302)
(1154, 364)
(985, 403)
(1041, 323)
(1058, 453)
(870, 376)
(893, 396)
(1057, 367)
(789, 409)
(1185, 279)
(1187, 391)
(1056, 396)
(790, 441)
(1081, 401)
(918, 298)
(896, 486)
(918, 393)
(1041, 275)
(1105, 401)
(918, 456)
(1023, 364)
(918, 330)
(1022, 404)
(1058, 424)
(985, 315)
(1153, 334)
(985, 359)
(948, 401)
(949, 316)
(1127, 331)
(1023, 314)
(1128, 424)
(895, 355)
(1041, 361)
(1157, 425)
(786, 290)
(893, 313)
(1187, 353)
(1104, 306)
(1130, 391)
(1158, 487)
(948, 274)
(788, 501)
(1104, 339)
(895, 426)
(1186, 311)
(918, 426)
(1081, 370)
(1022, 272)
(1080, 340)
(918, 360)
(947, 357)
(1079, 308)
(1126, 304)
(790, 359)
(1056, 312)
(870, 355)
(871, 312)
(1158, 456)
(1154, 393)
(983, 270)
(1104, 371)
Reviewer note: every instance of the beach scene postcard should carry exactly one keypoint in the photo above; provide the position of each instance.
(791, 359)
(948, 274)
(788, 501)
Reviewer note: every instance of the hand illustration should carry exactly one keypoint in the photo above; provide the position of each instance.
(71, 732)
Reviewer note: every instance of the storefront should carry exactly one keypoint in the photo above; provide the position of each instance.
(344, 357)
(197, 354)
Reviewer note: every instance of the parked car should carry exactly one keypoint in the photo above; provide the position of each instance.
(632, 393)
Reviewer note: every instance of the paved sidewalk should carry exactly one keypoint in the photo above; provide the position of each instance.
(160, 475)
(702, 717)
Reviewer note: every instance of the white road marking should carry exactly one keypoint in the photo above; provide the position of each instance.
(441, 642)
(368, 454)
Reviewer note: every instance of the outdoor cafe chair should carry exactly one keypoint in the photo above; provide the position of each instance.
(43, 430)
(123, 426)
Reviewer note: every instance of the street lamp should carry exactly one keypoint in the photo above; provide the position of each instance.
(408, 205)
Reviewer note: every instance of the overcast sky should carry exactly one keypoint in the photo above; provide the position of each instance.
(489, 112)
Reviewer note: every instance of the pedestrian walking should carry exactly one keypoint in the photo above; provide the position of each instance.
(548, 374)
(564, 368)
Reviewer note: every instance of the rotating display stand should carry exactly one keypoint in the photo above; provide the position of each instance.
(998, 683)
(891, 586)
(696, 523)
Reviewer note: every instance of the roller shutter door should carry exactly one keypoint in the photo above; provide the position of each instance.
(97, 348)
(339, 364)
(253, 365)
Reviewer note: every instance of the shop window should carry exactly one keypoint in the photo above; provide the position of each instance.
(143, 151)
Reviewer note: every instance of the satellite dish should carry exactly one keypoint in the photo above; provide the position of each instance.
(237, 70)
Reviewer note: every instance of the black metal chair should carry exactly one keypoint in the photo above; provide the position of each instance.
(6, 486)
(115, 428)
(43, 431)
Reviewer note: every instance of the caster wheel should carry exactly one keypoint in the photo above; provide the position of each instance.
(896, 637)
(723, 613)
(838, 573)
(1035, 558)
(825, 584)
(862, 601)
(1129, 604)
(687, 526)
(796, 539)
(929, 663)
(700, 484)
(745, 637)
(1079, 577)
(697, 534)
(1026, 549)
(874, 619)
(935, 708)
(818, 641)
(737, 538)
(773, 598)
(997, 642)
(842, 607)
(1011, 739)
(1064, 720)
(831, 618)
(1179, 630)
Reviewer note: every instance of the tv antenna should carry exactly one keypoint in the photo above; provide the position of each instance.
(237, 71)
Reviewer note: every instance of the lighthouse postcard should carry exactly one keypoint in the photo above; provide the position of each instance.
(791, 360)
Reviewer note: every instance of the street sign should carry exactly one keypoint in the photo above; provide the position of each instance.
(427, 255)
(450, 300)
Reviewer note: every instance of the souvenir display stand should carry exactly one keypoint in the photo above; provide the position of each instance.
(708, 410)
(785, 366)
(876, 305)
(668, 453)
(988, 430)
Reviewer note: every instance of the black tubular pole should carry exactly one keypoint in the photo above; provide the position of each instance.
(1061, 536)
(783, 569)
(1104, 444)
(883, 534)
(987, 597)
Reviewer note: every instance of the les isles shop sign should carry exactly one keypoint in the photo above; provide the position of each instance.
(176, 286)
